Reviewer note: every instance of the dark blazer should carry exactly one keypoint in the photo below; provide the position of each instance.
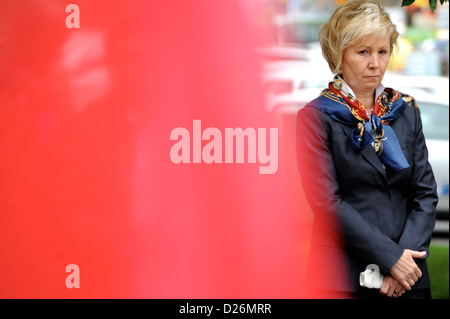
(379, 212)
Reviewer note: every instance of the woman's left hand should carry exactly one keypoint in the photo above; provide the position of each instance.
(391, 287)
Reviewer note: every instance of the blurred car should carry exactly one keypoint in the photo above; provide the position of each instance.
(435, 86)
(283, 53)
(287, 69)
(435, 120)
(301, 74)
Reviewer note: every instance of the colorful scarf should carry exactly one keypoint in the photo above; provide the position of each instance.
(337, 102)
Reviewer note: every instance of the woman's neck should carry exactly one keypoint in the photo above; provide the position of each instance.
(367, 99)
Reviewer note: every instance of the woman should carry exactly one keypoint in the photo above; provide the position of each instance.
(364, 165)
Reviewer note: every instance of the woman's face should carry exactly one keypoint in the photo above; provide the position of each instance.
(364, 63)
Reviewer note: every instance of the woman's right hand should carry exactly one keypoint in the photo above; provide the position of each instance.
(405, 270)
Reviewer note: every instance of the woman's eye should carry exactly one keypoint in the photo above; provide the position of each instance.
(363, 52)
(383, 52)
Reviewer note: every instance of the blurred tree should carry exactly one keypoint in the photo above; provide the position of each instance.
(433, 3)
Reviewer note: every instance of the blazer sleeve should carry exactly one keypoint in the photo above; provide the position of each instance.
(422, 193)
(319, 181)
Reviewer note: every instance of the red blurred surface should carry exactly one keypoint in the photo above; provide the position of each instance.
(85, 172)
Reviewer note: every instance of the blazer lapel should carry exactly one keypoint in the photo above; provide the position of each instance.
(368, 153)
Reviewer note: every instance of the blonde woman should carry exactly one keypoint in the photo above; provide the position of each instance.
(364, 165)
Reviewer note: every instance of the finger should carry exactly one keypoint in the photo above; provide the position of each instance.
(384, 289)
(405, 285)
(391, 292)
(418, 254)
(402, 291)
(398, 292)
(418, 273)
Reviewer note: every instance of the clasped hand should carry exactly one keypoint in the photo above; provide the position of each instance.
(403, 275)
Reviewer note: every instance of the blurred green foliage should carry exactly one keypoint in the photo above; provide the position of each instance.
(438, 269)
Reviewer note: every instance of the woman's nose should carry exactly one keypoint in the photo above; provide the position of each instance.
(374, 62)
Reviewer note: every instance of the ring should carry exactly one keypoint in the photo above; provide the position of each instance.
(395, 292)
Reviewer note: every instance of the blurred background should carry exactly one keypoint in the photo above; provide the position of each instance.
(294, 72)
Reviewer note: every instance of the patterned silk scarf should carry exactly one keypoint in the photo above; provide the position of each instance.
(337, 102)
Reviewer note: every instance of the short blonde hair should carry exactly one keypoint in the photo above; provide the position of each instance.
(351, 22)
